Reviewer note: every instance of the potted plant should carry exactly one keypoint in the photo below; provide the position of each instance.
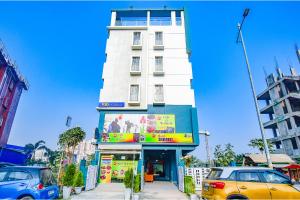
(67, 180)
(137, 187)
(78, 182)
(128, 183)
(189, 187)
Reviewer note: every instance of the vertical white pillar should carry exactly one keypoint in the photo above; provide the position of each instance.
(182, 19)
(173, 18)
(113, 18)
(148, 18)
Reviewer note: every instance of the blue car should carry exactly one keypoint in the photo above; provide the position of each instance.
(27, 182)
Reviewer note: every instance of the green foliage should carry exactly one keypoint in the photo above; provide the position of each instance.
(78, 181)
(70, 139)
(68, 177)
(257, 143)
(223, 157)
(189, 185)
(128, 178)
(137, 183)
(31, 149)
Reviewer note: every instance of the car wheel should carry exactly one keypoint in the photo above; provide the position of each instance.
(27, 198)
(236, 197)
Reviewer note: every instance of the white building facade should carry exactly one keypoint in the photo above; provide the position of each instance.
(148, 119)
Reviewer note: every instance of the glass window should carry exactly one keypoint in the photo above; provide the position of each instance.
(131, 18)
(294, 143)
(134, 93)
(249, 177)
(137, 38)
(47, 177)
(214, 174)
(160, 18)
(275, 178)
(158, 63)
(178, 17)
(159, 93)
(2, 175)
(158, 38)
(232, 176)
(18, 175)
(135, 66)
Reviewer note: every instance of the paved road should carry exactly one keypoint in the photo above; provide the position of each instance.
(115, 191)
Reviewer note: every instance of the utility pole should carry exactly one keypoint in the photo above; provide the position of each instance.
(240, 39)
(206, 134)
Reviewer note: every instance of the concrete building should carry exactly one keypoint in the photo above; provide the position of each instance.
(148, 118)
(282, 98)
(41, 155)
(12, 84)
(84, 149)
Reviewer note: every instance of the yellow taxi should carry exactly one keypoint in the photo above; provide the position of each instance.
(248, 183)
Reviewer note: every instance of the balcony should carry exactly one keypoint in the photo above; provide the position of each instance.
(131, 18)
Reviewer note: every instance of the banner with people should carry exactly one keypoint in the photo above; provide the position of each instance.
(142, 128)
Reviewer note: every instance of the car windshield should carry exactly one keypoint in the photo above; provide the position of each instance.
(215, 174)
(47, 177)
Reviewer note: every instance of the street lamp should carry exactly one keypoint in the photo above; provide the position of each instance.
(262, 131)
(206, 134)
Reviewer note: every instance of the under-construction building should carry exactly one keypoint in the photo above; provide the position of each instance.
(282, 98)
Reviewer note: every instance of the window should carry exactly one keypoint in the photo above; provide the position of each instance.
(159, 64)
(18, 175)
(158, 38)
(159, 94)
(2, 175)
(294, 143)
(232, 176)
(160, 18)
(137, 38)
(178, 17)
(271, 177)
(249, 177)
(135, 65)
(134, 93)
(47, 177)
(215, 174)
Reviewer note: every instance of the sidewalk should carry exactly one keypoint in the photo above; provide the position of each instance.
(162, 190)
(113, 191)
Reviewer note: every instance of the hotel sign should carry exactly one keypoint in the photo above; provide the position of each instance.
(111, 104)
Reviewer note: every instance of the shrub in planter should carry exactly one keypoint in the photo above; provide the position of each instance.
(78, 182)
(137, 186)
(67, 180)
(128, 183)
(189, 187)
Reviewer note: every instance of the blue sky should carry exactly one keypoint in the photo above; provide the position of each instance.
(59, 47)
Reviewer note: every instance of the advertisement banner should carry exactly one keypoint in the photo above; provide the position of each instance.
(119, 167)
(143, 128)
(105, 169)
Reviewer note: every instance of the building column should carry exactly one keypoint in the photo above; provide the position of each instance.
(113, 18)
(173, 18)
(148, 18)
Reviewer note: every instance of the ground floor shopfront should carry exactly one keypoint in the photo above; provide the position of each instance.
(159, 162)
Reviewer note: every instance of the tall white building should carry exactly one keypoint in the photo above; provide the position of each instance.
(148, 118)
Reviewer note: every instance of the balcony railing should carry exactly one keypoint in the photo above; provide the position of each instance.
(131, 23)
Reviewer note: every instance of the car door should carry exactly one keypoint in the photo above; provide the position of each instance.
(14, 183)
(280, 186)
(250, 185)
(3, 175)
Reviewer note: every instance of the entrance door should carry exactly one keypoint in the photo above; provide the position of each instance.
(159, 164)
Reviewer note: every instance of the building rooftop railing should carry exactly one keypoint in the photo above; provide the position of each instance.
(13, 64)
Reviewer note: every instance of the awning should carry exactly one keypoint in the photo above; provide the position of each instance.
(120, 148)
(292, 166)
(276, 158)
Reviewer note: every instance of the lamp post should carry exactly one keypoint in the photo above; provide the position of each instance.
(240, 39)
(206, 134)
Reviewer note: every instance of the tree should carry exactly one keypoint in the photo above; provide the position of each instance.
(257, 143)
(32, 148)
(223, 157)
(69, 139)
